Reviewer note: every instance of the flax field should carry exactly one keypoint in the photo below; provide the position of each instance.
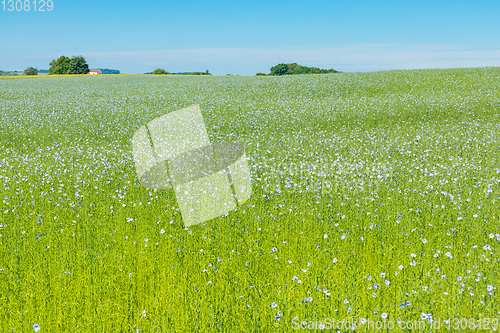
(375, 197)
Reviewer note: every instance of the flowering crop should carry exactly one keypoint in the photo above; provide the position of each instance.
(375, 195)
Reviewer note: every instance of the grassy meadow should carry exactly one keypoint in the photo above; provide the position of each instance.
(376, 195)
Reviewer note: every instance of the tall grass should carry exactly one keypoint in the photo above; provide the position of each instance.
(375, 196)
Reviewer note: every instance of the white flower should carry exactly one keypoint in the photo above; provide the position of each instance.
(335, 260)
(162, 231)
(384, 315)
(400, 267)
(36, 327)
(489, 288)
(273, 305)
(144, 313)
(325, 236)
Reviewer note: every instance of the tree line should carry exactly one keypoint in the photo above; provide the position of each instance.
(64, 65)
(294, 68)
(109, 71)
(161, 71)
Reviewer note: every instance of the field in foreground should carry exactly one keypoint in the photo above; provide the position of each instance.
(376, 195)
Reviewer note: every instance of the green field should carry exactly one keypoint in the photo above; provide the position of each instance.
(376, 195)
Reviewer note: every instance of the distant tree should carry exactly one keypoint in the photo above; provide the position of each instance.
(59, 66)
(260, 74)
(207, 72)
(294, 68)
(31, 71)
(159, 71)
(279, 69)
(78, 65)
(66, 65)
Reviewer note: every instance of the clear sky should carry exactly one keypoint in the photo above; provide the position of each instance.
(246, 37)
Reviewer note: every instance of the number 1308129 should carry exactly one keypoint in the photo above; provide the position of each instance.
(27, 5)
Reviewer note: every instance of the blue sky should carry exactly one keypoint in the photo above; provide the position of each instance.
(238, 37)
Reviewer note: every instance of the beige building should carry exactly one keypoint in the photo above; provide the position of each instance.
(95, 72)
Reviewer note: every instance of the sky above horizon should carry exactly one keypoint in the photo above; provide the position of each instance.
(244, 38)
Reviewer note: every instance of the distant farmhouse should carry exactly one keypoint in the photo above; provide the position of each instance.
(94, 72)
